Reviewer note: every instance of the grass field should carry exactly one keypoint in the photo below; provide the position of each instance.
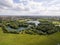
(26, 39)
(56, 22)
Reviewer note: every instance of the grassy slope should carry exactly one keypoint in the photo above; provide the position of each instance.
(25, 39)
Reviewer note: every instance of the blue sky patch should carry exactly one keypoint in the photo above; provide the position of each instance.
(16, 1)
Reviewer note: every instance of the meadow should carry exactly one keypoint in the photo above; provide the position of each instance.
(27, 39)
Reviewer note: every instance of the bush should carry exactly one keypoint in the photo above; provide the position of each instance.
(4, 29)
(46, 29)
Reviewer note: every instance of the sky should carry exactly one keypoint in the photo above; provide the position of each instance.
(30, 7)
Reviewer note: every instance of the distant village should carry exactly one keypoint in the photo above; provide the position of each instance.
(28, 17)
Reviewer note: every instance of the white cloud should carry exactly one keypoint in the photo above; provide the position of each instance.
(8, 3)
(28, 7)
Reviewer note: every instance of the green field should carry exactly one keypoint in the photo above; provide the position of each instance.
(56, 22)
(26, 39)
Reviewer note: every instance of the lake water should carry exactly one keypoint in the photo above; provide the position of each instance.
(35, 22)
(23, 28)
(19, 29)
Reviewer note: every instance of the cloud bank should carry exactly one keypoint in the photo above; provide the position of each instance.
(30, 7)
